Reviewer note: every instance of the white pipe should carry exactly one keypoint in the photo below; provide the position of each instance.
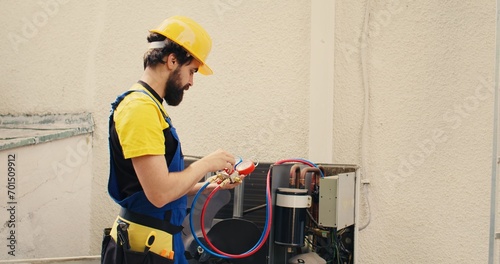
(321, 81)
(494, 154)
(53, 260)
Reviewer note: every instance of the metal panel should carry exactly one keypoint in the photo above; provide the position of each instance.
(345, 200)
(336, 200)
(328, 187)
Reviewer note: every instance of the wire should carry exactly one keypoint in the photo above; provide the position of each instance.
(364, 127)
(312, 218)
(336, 243)
(311, 244)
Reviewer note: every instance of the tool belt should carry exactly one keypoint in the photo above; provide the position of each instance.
(137, 238)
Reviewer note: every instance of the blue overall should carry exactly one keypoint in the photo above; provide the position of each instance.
(138, 202)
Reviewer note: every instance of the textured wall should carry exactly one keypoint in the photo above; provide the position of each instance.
(426, 144)
(429, 73)
(46, 188)
(73, 56)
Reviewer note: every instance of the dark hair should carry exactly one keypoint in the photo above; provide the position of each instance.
(153, 57)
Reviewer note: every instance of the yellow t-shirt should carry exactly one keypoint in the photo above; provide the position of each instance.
(139, 124)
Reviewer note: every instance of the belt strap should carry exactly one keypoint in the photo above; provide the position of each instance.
(152, 222)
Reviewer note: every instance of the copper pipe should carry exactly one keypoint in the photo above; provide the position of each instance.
(314, 182)
(303, 172)
(294, 179)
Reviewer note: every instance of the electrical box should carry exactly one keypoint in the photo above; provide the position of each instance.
(336, 200)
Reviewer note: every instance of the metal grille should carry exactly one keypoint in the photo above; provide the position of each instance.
(254, 195)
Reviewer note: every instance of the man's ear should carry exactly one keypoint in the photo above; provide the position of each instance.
(171, 61)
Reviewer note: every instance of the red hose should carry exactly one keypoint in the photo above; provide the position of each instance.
(269, 205)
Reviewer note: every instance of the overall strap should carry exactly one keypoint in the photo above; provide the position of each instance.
(120, 98)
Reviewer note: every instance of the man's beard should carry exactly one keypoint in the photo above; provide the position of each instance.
(174, 91)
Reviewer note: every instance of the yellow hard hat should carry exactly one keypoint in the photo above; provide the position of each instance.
(190, 35)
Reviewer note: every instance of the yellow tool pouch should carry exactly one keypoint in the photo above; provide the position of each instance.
(136, 238)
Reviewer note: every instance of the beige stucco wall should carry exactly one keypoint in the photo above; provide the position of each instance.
(48, 197)
(430, 71)
(426, 142)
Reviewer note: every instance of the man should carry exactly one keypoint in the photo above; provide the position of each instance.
(147, 175)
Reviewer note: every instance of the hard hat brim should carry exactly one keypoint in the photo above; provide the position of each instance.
(205, 70)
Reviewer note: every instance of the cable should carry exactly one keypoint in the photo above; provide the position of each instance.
(364, 128)
(336, 242)
(312, 218)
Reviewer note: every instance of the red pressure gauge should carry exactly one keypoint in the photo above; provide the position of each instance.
(245, 167)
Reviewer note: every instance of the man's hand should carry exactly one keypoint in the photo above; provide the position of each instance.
(232, 184)
(218, 160)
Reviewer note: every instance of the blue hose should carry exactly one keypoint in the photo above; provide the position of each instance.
(205, 247)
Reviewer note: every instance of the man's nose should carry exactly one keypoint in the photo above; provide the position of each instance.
(191, 80)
